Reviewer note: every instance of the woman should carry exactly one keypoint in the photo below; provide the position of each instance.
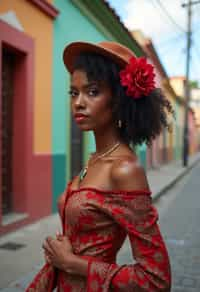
(113, 94)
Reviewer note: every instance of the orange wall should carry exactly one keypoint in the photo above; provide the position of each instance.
(39, 26)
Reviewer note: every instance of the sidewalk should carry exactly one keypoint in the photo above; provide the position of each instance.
(25, 262)
(162, 179)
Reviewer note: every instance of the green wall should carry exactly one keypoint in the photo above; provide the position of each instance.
(69, 26)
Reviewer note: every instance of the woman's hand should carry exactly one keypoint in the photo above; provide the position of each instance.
(58, 252)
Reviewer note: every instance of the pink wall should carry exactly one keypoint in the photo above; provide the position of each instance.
(32, 190)
(192, 133)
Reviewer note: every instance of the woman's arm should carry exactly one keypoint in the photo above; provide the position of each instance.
(61, 255)
(136, 214)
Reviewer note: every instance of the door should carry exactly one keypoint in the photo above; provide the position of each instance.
(8, 65)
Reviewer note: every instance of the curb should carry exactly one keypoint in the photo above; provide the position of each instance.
(175, 180)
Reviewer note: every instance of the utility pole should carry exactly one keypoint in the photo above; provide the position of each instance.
(187, 85)
(187, 88)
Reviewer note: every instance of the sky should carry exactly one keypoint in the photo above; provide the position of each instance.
(165, 22)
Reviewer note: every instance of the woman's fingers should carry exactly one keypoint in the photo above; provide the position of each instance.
(46, 245)
(59, 235)
(47, 258)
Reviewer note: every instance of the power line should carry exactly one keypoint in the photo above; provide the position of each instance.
(167, 43)
(178, 36)
(172, 39)
(169, 16)
(187, 86)
(190, 3)
(158, 9)
(168, 48)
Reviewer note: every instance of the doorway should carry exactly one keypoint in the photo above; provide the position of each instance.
(8, 69)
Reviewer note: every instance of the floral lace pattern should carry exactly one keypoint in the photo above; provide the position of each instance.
(97, 223)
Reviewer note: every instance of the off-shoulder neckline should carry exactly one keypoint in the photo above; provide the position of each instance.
(94, 189)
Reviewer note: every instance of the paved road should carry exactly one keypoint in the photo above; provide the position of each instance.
(180, 222)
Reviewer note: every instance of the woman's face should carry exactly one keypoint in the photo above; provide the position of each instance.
(90, 103)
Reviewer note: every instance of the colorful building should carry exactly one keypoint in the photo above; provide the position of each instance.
(178, 83)
(195, 105)
(41, 146)
(26, 119)
(168, 146)
(161, 150)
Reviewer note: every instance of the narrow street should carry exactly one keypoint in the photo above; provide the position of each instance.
(179, 212)
(180, 226)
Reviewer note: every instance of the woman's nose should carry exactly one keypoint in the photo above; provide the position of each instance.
(79, 101)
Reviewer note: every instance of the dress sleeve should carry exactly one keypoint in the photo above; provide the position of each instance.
(44, 281)
(151, 272)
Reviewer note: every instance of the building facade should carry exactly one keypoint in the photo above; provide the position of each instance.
(178, 83)
(42, 148)
(26, 75)
(161, 150)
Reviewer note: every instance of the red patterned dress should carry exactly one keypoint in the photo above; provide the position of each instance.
(97, 223)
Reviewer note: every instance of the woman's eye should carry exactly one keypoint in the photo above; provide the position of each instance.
(93, 92)
(73, 93)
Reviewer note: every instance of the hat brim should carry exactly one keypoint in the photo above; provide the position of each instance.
(76, 48)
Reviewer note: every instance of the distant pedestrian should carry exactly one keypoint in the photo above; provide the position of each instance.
(113, 94)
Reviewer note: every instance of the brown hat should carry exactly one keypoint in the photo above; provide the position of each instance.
(117, 52)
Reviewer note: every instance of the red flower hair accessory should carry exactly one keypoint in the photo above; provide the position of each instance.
(138, 77)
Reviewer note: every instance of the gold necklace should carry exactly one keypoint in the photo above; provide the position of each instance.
(83, 172)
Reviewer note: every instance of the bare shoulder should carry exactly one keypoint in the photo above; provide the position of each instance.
(61, 200)
(128, 174)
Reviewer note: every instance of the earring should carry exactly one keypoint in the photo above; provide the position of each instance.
(119, 123)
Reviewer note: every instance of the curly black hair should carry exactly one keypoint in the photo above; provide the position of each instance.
(142, 119)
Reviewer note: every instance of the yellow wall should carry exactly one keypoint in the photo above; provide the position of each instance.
(178, 85)
(38, 26)
(197, 114)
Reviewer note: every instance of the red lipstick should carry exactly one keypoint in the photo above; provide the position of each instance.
(80, 117)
